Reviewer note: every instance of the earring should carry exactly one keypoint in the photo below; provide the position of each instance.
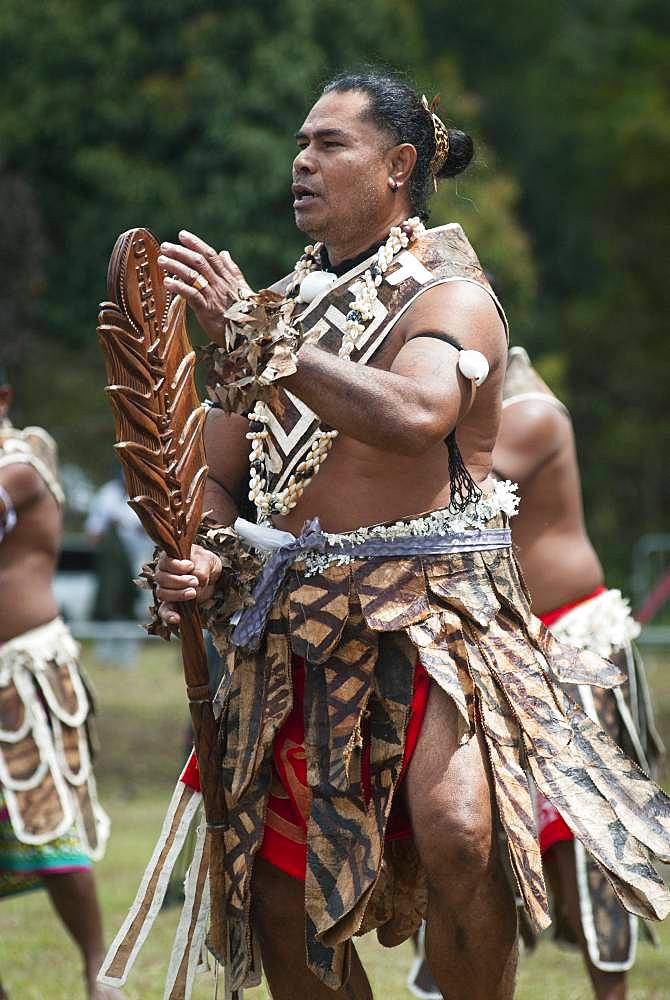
(393, 184)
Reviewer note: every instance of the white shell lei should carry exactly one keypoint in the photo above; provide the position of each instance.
(361, 312)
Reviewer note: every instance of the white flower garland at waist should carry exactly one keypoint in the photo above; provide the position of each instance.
(503, 500)
(361, 312)
(604, 624)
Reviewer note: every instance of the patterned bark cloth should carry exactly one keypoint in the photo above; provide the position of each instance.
(290, 800)
(602, 623)
(46, 773)
(359, 628)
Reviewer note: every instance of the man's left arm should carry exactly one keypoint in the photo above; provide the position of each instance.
(406, 410)
(424, 396)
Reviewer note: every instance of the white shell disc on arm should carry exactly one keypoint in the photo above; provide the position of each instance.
(314, 284)
(473, 365)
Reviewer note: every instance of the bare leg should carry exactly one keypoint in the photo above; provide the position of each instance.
(75, 900)
(421, 981)
(562, 873)
(278, 915)
(471, 925)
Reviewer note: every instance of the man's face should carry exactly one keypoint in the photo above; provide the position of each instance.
(340, 177)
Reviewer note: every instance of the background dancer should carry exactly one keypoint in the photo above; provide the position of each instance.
(51, 825)
(536, 447)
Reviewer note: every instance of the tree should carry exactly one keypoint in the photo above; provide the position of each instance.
(182, 114)
(575, 101)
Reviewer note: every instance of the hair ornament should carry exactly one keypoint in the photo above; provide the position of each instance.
(441, 138)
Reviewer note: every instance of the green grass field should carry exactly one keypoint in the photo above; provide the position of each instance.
(142, 723)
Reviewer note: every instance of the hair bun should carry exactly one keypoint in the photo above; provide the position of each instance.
(461, 151)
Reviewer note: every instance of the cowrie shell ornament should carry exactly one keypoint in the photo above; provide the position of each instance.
(473, 365)
(314, 284)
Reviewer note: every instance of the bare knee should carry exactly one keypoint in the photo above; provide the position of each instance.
(456, 843)
(450, 801)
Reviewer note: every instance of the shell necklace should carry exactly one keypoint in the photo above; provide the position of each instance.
(308, 282)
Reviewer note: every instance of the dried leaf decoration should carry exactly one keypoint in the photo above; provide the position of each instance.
(260, 348)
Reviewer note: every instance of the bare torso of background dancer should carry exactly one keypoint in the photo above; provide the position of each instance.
(536, 449)
(28, 557)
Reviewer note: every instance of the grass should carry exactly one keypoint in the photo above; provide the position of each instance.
(142, 726)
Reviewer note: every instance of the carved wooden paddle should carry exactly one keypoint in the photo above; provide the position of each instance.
(159, 420)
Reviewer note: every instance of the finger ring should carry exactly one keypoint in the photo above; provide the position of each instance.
(199, 282)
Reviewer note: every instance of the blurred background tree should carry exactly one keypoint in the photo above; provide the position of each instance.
(575, 101)
(181, 114)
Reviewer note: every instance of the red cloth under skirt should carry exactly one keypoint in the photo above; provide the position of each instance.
(285, 839)
(551, 826)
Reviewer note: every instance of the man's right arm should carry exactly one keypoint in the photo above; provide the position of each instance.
(226, 451)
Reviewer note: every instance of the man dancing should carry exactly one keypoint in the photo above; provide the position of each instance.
(536, 447)
(388, 683)
(51, 825)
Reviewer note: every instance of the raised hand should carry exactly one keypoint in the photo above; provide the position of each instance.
(180, 580)
(209, 281)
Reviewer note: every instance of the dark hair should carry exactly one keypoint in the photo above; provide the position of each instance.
(396, 108)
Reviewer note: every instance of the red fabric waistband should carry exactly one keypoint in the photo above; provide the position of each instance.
(549, 617)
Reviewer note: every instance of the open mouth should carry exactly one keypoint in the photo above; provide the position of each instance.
(302, 196)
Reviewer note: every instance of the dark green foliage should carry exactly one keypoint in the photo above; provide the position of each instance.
(576, 102)
(167, 115)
